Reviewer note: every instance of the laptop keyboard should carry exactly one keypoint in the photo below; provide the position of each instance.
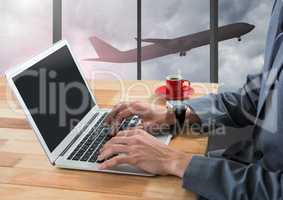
(88, 149)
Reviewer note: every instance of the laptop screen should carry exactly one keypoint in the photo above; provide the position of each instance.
(55, 94)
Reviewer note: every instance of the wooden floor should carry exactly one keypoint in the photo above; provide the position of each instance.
(25, 172)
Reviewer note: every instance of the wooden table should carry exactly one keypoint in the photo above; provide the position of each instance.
(25, 172)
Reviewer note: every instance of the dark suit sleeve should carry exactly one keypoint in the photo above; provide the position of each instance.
(230, 109)
(220, 179)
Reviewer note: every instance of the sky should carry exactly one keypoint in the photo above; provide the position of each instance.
(26, 30)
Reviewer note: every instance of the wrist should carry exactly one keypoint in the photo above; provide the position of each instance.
(179, 164)
(170, 117)
(192, 117)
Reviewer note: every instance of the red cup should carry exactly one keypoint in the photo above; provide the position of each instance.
(176, 87)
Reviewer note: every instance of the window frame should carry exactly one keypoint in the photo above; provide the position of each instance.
(214, 50)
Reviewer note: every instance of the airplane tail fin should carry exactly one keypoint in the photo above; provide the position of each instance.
(103, 49)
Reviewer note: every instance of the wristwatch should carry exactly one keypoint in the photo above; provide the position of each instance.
(180, 113)
(179, 109)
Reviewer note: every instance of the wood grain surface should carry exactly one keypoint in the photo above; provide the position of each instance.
(25, 172)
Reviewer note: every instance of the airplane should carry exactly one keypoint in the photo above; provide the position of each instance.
(164, 47)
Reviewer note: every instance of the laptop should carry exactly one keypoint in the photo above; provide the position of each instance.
(63, 112)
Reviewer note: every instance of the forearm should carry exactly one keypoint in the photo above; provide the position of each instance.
(220, 179)
(228, 109)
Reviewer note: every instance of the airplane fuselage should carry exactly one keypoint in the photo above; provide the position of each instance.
(179, 45)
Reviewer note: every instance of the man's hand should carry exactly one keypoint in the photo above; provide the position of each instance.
(140, 149)
(153, 117)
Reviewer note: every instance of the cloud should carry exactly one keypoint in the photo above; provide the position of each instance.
(116, 24)
(169, 19)
(239, 59)
(26, 29)
(235, 10)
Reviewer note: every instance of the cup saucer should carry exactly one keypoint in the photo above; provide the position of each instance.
(161, 92)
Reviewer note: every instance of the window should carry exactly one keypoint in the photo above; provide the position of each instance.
(238, 59)
(172, 19)
(113, 22)
(25, 30)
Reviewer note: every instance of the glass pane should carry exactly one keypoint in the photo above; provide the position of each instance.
(26, 30)
(112, 26)
(174, 19)
(238, 59)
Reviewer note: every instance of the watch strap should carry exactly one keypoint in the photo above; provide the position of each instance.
(180, 113)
